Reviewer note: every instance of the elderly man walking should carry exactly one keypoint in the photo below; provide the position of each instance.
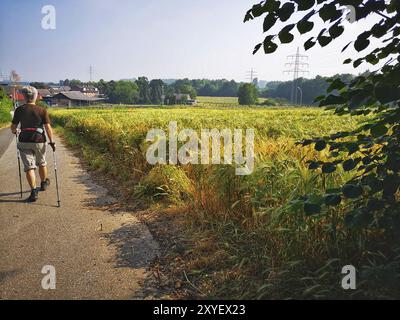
(34, 121)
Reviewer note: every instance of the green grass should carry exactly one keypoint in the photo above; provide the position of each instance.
(220, 101)
(5, 108)
(249, 241)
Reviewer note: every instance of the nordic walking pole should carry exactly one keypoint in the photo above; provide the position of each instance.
(19, 165)
(55, 172)
(18, 154)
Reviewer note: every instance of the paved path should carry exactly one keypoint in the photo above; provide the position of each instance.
(5, 138)
(97, 253)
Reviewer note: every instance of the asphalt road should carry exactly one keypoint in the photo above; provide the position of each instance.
(5, 138)
(96, 253)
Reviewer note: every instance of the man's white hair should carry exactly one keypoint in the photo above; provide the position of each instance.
(30, 93)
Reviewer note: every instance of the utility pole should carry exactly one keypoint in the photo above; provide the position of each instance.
(250, 75)
(296, 66)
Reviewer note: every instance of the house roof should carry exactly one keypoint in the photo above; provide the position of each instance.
(55, 90)
(18, 96)
(44, 92)
(77, 96)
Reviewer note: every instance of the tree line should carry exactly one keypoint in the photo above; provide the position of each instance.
(145, 91)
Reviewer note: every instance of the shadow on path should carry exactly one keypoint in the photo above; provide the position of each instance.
(8, 274)
(25, 195)
(135, 246)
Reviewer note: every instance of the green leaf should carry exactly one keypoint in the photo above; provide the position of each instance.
(352, 147)
(285, 37)
(248, 16)
(305, 4)
(328, 168)
(306, 142)
(352, 191)
(328, 12)
(332, 99)
(359, 98)
(349, 165)
(361, 44)
(373, 183)
(333, 199)
(269, 22)
(390, 185)
(359, 218)
(269, 45)
(258, 9)
(272, 5)
(366, 160)
(378, 130)
(346, 46)
(375, 204)
(315, 199)
(256, 48)
(309, 44)
(378, 30)
(372, 59)
(320, 145)
(304, 26)
(311, 208)
(357, 62)
(313, 165)
(337, 84)
(324, 40)
(385, 92)
(336, 30)
(286, 11)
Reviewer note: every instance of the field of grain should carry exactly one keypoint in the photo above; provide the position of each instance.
(253, 242)
(220, 101)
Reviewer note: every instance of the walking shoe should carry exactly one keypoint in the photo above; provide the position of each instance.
(44, 185)
(33, 197)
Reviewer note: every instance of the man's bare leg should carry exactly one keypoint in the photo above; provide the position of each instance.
(31, 177)
(43, 173)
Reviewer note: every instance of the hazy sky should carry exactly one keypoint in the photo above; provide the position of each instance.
(155, 38)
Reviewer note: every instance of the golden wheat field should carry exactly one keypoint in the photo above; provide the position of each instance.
(120, 134)
(263, 246)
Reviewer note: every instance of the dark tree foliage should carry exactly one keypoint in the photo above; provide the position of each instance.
(185, 86)
(144, 90)
(311, 88)
(126, 92)
(373, 150)
(156, 91)
(248, 94)
(207, 87)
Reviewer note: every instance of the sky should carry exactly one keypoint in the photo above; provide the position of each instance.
(165, 39)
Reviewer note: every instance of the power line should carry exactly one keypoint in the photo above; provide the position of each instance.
(297, 66)
(251, 75)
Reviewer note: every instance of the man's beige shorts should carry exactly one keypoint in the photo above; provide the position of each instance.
(32, 155)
